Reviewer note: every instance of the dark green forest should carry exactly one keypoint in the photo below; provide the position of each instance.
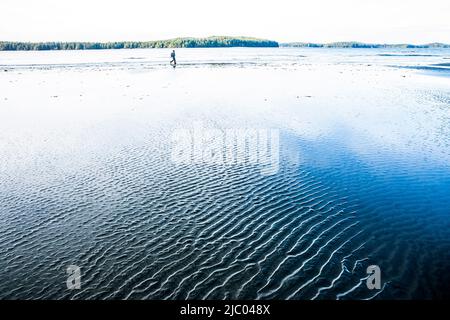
(210, 42)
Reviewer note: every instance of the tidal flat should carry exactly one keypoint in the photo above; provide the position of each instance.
(88, 175)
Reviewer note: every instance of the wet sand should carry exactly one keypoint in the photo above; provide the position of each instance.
(87, 178)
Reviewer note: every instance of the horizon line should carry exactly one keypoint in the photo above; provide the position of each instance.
(231, 37)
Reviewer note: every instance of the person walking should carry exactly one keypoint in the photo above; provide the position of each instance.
(173, 62)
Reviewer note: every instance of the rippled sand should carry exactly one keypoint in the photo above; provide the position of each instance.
(86, 177)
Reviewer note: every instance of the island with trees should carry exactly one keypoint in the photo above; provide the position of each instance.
(209, 42)
(352, 44)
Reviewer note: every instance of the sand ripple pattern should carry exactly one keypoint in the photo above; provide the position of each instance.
(142, 228)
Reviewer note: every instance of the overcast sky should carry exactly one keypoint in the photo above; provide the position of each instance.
(381, 21)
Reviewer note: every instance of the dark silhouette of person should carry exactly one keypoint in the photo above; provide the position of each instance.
(174, 60)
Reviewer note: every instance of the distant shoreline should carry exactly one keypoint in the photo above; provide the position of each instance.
(352, 44)
(209, 42)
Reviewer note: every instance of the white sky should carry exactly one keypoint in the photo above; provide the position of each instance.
(381, 21)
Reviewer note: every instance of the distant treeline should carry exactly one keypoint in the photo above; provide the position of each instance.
(361, 45)
(210, 42)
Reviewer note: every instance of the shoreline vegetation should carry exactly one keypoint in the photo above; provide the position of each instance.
(209, 42)
(353, 44)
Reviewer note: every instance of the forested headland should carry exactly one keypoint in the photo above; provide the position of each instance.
(210, 42)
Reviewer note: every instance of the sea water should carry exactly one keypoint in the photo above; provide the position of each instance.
(89, 176)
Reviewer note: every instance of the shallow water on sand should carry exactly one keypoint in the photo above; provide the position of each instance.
(87, 175)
